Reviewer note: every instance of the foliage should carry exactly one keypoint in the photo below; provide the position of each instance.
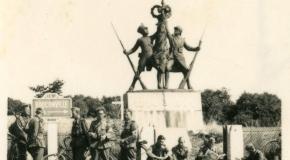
(259, 110)
(88, 105)
(54, 87)
(214, 103)
(251, 109)
(15, 106)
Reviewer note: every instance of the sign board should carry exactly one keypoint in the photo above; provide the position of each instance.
(53, 105)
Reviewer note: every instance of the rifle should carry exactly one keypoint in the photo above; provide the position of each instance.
(183, 82)
(130, 61)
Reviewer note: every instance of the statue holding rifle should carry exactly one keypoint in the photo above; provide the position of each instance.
(158, 53)
(145, 57)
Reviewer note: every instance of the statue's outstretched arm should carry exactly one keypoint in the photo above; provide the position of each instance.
(136, 46)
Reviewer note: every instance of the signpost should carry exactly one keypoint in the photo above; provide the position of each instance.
(54, 107)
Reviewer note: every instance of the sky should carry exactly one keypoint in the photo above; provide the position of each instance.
(245, 46)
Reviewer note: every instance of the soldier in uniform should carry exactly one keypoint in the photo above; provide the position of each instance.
(129, 137)
(102, 137)
(79, 134)
(180, 152)
(158, 151)
(35, 134)
(209, 151)
(145, 57)
(254, 154)
(176, 58)
(18, 130)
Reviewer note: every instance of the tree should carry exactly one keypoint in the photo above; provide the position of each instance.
(215, 104)
(15, 106)
(258, 110)
(54, 87)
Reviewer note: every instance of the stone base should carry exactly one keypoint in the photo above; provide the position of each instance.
(166, 108)
(171, 113)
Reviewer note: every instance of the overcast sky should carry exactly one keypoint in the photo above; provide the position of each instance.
(244, 47)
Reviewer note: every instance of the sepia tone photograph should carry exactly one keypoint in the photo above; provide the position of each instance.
(144, 80)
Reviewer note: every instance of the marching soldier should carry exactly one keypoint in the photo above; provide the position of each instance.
(145, 57)
(176, 58)
(35, 134)
(79, 135)
(180, 152)
(18, 129)
(102, 137)
(129, 137)
(158, 151)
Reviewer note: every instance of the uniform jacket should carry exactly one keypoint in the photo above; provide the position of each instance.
(79, 133)
(180, 153)
(158, 151)
(18, 129)
(129, 135)
(35, 132)
(101, 129)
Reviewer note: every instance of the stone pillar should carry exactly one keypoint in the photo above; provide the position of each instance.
(52, 138)
(235, 142)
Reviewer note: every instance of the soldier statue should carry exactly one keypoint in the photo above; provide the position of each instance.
(158, 53)
(145, 57)
(176, 59)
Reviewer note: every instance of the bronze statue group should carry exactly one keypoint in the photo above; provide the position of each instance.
(157, 53)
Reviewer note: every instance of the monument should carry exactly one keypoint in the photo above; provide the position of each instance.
(170, 112)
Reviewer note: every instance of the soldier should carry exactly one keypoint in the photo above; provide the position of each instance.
(158, 151)
(180, 152)
(254, 154)
(35, 134)
(145, 57)
(177, 43)
(209, 151)
(129, 138)
(102, 137)
(18, 130)
(79, 135)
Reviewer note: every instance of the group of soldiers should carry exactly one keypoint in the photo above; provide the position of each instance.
(29, 134)
(99, 140)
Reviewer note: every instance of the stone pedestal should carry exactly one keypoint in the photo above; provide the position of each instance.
(169, 112)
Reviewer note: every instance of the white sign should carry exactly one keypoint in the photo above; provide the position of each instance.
(53, 105)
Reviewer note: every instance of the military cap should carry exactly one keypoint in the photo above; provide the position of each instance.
(38, 110)
(160, 137)
(141, 28)
(250, 147)
(178, 28)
